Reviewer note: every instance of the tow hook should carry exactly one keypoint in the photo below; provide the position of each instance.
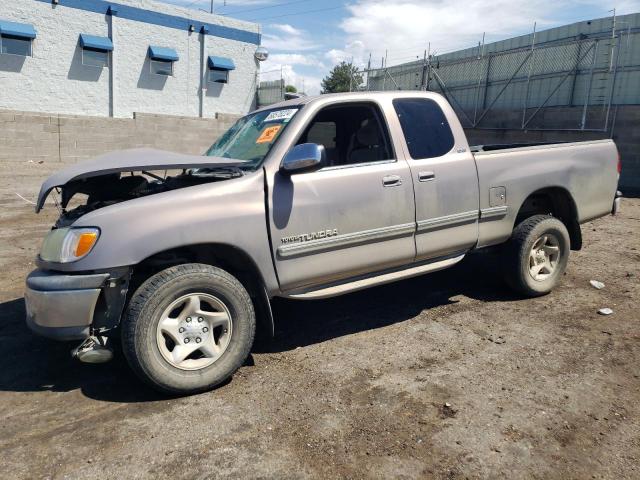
(93, 350)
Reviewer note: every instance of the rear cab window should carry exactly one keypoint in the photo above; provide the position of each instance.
(425, 127)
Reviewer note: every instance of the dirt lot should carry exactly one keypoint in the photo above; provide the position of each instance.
(356, 386)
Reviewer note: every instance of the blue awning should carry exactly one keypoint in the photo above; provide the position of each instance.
(162, 53)
(221, 63)
(20, 30)
(103, 44)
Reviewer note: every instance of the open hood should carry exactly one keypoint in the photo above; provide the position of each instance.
(128, 161)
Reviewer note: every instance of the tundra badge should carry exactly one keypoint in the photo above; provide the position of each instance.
(305, 237)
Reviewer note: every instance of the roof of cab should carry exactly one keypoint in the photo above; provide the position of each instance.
(296, 102)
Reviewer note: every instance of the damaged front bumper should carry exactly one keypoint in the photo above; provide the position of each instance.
(72, 307)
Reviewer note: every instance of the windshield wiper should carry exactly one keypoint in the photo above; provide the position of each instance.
(220, 172)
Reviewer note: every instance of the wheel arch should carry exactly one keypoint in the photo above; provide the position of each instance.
(558, 202)
(227, 257)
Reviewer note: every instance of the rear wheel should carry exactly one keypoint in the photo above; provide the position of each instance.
(537, 255)
(188, 328)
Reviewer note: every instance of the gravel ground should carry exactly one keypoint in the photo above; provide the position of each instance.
(444, 376)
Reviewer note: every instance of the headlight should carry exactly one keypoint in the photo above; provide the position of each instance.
(64, 245)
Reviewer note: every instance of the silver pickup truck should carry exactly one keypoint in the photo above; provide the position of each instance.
(178, 256)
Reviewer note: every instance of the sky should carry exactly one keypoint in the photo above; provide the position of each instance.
(306, 38)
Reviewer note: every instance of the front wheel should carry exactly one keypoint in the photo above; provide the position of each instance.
(537, 255)
(188, 328)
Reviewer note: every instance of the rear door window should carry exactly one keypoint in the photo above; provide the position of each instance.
(425, 127)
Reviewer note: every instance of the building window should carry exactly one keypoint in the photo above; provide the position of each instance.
(161, 67)
(218, 76)
(95, 58)
(16, 38)
(95, 50)
(219, 68)
(15, 46)
(161, 60)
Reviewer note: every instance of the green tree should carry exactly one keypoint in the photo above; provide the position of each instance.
(343, 78)
(290, 89)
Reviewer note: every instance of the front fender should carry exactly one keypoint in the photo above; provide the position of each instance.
(229, 212)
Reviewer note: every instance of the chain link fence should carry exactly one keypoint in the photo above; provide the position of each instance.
(271, 91)
(570, 84)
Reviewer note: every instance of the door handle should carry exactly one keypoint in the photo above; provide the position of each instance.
(391, 181)
(426, 176)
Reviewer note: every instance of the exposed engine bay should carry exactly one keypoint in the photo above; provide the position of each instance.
(104, 190)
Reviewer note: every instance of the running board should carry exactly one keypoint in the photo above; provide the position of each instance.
(362, 283)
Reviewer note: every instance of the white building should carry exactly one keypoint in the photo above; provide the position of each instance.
(114, 58)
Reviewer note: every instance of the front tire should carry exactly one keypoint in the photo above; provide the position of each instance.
(537, 255)
(188, 328)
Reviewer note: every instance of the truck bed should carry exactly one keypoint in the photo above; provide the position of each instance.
(587, 171)
(488, 147)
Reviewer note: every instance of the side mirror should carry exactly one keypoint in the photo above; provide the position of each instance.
(304, 158)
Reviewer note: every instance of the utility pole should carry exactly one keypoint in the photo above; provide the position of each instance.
(212, 6)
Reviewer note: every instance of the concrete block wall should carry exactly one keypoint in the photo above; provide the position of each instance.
(54, 80)
(33, 145)
(626, 134)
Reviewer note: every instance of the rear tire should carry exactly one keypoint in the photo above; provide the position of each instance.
(188, 328)
(537, 255)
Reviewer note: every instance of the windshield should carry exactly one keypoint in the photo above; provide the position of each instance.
(251, 137)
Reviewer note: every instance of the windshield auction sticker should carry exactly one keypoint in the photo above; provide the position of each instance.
(268, 134)
(281, 115)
